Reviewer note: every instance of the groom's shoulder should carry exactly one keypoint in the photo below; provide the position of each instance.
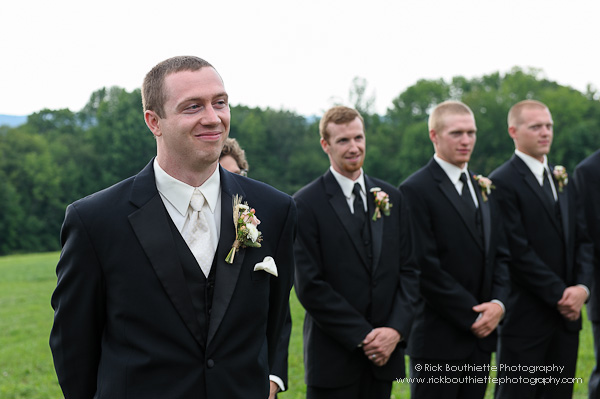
(110, 196)
(262, 191)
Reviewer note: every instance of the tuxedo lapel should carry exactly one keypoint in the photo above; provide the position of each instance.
(151, 226)
(534, 185)
(226, 274)
(563, 201)
(486, 220)
(342, 210)
(376, 226)
(449, 190)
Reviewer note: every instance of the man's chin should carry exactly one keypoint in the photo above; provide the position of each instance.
(353, 168)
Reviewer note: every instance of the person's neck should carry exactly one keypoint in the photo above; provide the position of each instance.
(194, 177)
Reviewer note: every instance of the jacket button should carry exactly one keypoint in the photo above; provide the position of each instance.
(210, 363)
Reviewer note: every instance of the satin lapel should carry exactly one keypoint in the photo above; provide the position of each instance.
(342, 210)
(151, 226)
(452, 195)
(376, 226)
(486, 220)
(563, 201)
(533, 183)
(226, 274)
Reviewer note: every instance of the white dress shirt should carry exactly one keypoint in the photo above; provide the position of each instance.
(347, 185)
(453, 172)
(176, 196)
(537, 168)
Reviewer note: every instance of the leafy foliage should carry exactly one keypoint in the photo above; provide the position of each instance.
(59, 156)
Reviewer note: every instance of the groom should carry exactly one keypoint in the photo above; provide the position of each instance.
(146, 305)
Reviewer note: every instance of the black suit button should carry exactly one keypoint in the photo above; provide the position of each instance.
(210, 363)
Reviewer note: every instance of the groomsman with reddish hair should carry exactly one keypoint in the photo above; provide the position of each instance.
(354, 274)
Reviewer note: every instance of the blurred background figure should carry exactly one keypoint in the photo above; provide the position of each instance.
(233, 158)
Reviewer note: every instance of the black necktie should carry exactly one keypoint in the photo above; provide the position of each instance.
(547, 188)
(466, 193)
(359, 206)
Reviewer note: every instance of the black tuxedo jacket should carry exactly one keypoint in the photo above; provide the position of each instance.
(125, 325)
(462, 265)
(587, 180)
(345, 294)
(548, 252)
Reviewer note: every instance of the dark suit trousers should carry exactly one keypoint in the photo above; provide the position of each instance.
(365, 387)
(451, 379)
(557, 348)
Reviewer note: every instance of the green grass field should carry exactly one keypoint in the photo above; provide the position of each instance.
(26, 370)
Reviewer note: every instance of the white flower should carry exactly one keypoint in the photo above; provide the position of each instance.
(252, 232)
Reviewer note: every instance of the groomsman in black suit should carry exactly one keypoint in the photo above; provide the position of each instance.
(551, 261)
(462, 255)
(353, 271)
(587, 181)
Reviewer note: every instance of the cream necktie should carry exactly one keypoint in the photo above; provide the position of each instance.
(196, 233)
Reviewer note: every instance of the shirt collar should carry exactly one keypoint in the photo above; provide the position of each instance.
(451, 170)
(179, 193)
(536, 167)
(347, 184)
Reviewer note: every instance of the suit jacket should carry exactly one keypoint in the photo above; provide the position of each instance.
(461, 264)
(345, 294)
(549, 251)
(125, 325)
(587, 180)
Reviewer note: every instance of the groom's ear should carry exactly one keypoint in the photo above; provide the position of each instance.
(153, 122)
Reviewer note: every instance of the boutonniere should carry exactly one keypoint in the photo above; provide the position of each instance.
(485, 184)
(246, 231)
(382, 203)
(561, 176)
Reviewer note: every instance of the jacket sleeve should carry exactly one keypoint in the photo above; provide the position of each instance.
(79, 308)
(279, 323)
(408, 294)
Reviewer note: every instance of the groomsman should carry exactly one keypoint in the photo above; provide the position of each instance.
(354, 276)
(463, 260)
(587, 180)
(551, 260)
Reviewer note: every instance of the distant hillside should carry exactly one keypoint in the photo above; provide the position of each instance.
(12, 120)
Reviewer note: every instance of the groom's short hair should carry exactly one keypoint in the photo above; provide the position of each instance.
(153, 93)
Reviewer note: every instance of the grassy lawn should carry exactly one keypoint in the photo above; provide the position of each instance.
(26, 370)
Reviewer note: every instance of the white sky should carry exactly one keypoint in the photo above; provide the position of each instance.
(294, 55)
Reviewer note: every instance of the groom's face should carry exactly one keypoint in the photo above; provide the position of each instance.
(197, 118)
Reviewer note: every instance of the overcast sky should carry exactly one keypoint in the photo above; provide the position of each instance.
(295, 55)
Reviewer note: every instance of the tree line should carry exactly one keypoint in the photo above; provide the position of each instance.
(58, 156)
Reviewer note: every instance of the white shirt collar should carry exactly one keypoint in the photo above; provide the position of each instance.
(536, 167)
(179, 193)
(347, 184)
(451, 170)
